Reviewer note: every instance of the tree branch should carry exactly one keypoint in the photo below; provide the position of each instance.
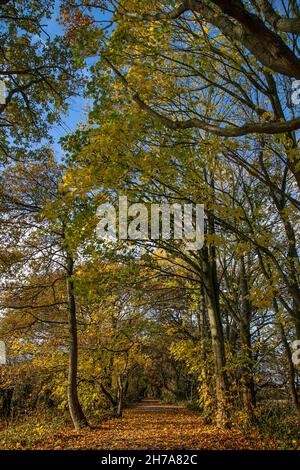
(279, 23)
(274, 127)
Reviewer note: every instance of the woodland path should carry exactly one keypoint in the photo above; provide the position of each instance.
(151, 404)
(151, 425)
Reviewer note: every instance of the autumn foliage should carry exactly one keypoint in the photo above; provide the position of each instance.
(185, 106)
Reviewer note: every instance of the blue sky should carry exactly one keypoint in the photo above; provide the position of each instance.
(77, 104)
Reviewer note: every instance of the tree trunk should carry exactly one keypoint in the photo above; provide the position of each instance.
(247, 381)
(291, 372)
(219, 361)
(77, 415)
(109, 396)
(217, 338)
(211, 285)
(248, 394)
(6, 402)
(120, 397)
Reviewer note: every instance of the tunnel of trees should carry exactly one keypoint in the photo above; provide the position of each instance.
(187, 105)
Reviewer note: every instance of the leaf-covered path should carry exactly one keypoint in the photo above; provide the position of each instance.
(152, 426)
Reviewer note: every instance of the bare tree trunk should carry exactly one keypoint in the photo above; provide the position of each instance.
(77, 415)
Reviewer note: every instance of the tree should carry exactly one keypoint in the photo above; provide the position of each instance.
(39, 74)
(45, 219)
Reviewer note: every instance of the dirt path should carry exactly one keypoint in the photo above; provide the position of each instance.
(151, 404)
(153, 426)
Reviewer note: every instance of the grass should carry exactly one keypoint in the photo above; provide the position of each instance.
(281, 423)
(27, 429)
